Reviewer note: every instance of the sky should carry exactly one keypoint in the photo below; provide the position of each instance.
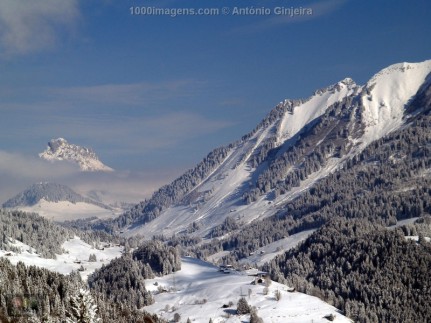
(153, 92)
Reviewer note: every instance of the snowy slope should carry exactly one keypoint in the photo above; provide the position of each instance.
(378, 108)
(60, 150)
(67, 211)
(268, 252)
(199, 290)
(221, 192)
(76, 255)
(386, 94)
(292, 123)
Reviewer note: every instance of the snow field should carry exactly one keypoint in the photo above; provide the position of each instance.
(76, 255)
(201, 291)
(65, 210)
(390, 90)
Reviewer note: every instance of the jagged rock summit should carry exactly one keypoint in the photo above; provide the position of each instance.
(59, 149)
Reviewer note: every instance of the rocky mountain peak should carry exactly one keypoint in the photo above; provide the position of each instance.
(61, 150)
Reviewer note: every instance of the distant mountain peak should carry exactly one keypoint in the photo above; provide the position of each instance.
(51, 192)
(60, 149)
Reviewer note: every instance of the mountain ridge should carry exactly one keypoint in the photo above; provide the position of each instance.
(295, 145)
(59, 203)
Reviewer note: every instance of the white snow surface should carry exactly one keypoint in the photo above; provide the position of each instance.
(416, 238)
(403, 222)
(389, 92)
(198, 291)
(268, 252)
(76, 255)
(65, 210)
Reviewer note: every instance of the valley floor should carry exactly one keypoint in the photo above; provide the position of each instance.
(199, 290)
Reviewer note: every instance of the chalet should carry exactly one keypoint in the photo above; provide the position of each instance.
(227, 269)
(259, 276)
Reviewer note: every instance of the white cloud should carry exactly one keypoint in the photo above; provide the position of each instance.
(29, 26)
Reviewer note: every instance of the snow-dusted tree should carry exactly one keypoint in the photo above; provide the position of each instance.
(254, 318)
(242, 307)
(177, 317)
(277, 295)
(82, 308)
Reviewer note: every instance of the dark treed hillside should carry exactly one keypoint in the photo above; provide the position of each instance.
(122, 280)
(41, 234)
(31, 294)
(373, 274)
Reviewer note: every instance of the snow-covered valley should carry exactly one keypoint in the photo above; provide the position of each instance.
(199, 291)
(75, 257)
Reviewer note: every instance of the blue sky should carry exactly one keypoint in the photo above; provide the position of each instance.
(156, 93)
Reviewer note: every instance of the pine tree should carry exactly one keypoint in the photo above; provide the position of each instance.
(242, 306)
(82, 308)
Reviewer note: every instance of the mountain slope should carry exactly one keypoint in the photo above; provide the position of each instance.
(60, 150)
(386, 182)
(58, 202)
(298, 143)
(380, 276)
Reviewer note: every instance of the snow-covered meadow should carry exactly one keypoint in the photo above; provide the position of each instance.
(199, 292)
(76, 256)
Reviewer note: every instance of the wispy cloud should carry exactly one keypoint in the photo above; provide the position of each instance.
(129, 94)
(319, 9)
(124, 134)
(130, 117)
(18, 171)
(19, 165)
(28, 26)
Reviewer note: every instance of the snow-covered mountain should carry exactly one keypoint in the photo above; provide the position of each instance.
(298, 143)
(59, 202)
(59, 149)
